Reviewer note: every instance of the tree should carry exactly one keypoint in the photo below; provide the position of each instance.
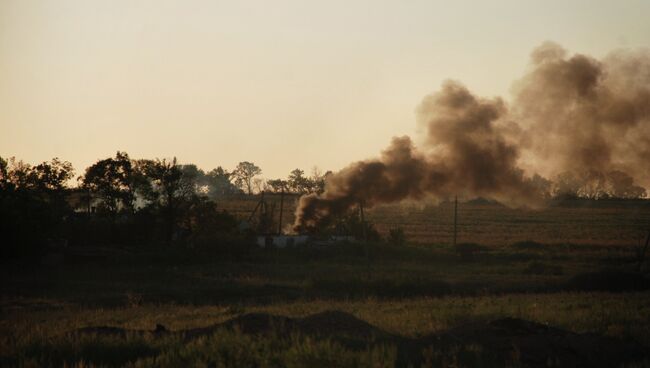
(47, 180)
(278, 185)
(566, 185)
(297, 182)
(53, 175)
(18, 173)
(32, 204)
(317, 180)
(170, 187)
(260, 184)
(542, 185)
(4, 173)
(193, 180)
(621, 185)
(112, 180)
(244, 174)
(219, 184)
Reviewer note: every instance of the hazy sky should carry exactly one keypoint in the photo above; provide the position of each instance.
(284, 84)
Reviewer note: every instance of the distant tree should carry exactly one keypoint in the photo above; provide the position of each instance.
(543, 185)
(142, 183)
(298, 183)
(592, 185)
(317, 180)
(47, 180)
(19, 173)
(566, 185)
(206, 225)
(4, 173)
(32, 205)
(596, 185)
(169, 188)
(219, 184)
(53, 175)
(259, 184)
(278, 185)
(244, 174)
(621, 185)
(193, 180)
(46, 177)
(112, 180)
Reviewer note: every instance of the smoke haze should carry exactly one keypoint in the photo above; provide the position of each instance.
(576, 124)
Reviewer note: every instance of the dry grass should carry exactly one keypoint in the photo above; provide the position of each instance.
(612, 222)
(411, 290)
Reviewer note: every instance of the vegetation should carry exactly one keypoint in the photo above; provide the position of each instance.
(140, 243)
(407, 290)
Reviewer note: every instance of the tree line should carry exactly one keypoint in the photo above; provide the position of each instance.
(125, 201)
(120, 200)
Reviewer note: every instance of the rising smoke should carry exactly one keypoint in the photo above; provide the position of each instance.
(581, 122)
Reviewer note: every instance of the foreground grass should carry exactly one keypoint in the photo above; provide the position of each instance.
(39, 337)
(222, 349)
(412, 290)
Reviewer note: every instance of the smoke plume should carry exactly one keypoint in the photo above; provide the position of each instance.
(581, 122)
(583, 116)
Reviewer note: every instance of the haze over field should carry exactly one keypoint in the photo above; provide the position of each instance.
(284, 84)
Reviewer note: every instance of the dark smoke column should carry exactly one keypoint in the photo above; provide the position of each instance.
(466, 153)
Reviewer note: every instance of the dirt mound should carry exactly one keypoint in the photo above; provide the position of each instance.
(119, 332)
(537, 345)
(326, 324)
(503, 341)
(330, 323)
(252, 323)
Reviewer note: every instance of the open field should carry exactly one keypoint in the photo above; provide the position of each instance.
(605, 222)
(581, 278)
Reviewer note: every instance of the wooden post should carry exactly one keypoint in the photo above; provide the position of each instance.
(363, 222)
(250, 218)
(455, 219)
(281, 208)
(365, 238)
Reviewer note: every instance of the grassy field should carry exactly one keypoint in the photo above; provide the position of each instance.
(607, 222)
(413, 290)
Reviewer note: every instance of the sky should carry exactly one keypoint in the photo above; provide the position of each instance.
(285, 84)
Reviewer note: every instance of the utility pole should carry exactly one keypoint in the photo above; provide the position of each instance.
(281, 207)
(363, 222)
(365, 237)
(455, 219)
